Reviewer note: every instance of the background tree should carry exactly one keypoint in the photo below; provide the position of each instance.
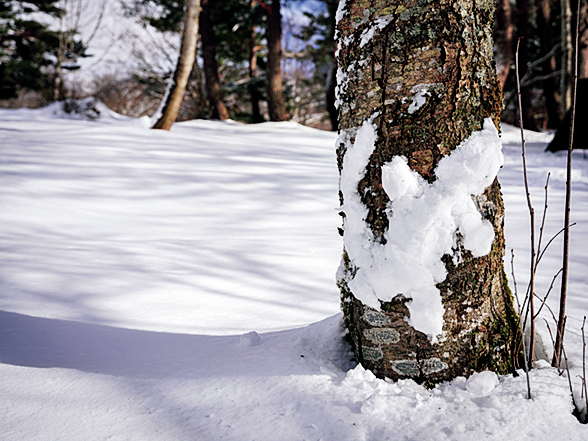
(562, 135)
(417, 79)
(186, 58)
(545, 26)
(524, 33)
(319, 36)
(275, 97)
(213, 87)
(503, 34)
(235, 27)
(30, 52)
(71, 47)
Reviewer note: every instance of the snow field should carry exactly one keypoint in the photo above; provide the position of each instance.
(180, 286)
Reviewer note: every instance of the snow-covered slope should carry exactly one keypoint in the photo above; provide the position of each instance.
(180, 285)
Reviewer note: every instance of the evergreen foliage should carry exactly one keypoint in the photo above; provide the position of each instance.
(29, 48)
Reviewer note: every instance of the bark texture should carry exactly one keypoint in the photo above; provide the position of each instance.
(275, 98)
(175, 96)
(447, 46)
(218, 109)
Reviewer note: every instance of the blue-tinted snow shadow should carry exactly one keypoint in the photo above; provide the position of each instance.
(50, 343)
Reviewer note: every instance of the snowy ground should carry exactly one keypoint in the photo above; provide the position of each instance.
(180, 286)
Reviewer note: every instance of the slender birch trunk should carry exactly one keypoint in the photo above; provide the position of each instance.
(186, 59)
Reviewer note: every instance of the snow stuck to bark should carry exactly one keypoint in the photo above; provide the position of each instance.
(424, 222)
(340, 10)
(379, 24)
(419, 100)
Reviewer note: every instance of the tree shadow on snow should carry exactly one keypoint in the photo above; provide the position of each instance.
(50, 343)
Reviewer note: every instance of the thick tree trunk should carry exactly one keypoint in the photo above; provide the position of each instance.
(416, 79)
(183, 68)
(275, 98)
(503, 34)
(218, 109)
(550, 83)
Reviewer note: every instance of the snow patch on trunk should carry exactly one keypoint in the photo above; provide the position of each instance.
(379, 24)
(424, 222)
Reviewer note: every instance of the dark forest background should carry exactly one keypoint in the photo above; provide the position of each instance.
(36, 59)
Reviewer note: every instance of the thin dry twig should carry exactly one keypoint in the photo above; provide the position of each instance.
(559, 370)
(547, 295)
(532, 214)
(566, 248)
(551, 240)
(584, 391)
(514, 281)
(542, 219)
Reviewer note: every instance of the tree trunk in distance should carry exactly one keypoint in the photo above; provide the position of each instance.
(275, 98)
(253, 91)
(331, 83)
(198, 97)
(562, 135)
(503, 36)
(183, 68)
(421, 75)
(523, 32)
(566, 54)
(550, 85)
(582, 37)
(213, 88)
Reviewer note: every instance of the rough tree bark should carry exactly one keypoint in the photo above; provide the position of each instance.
(218, 109)
(186, 58)
(275, 98)
(503, 34)
(422, 73)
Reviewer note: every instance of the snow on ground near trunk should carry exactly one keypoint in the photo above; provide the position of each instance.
(160, 286)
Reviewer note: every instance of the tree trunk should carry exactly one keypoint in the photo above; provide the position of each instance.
(561, 139)
(416, 79)
(275, 99)
(550, 83)
(566, 54)
(254, 92)
(213, 88)
(331, 83)
(195, 90)
(503, 36)
(183, 68)
(582, 37)
(523, 33)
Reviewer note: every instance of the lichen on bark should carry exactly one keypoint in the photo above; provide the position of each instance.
(427, 68)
